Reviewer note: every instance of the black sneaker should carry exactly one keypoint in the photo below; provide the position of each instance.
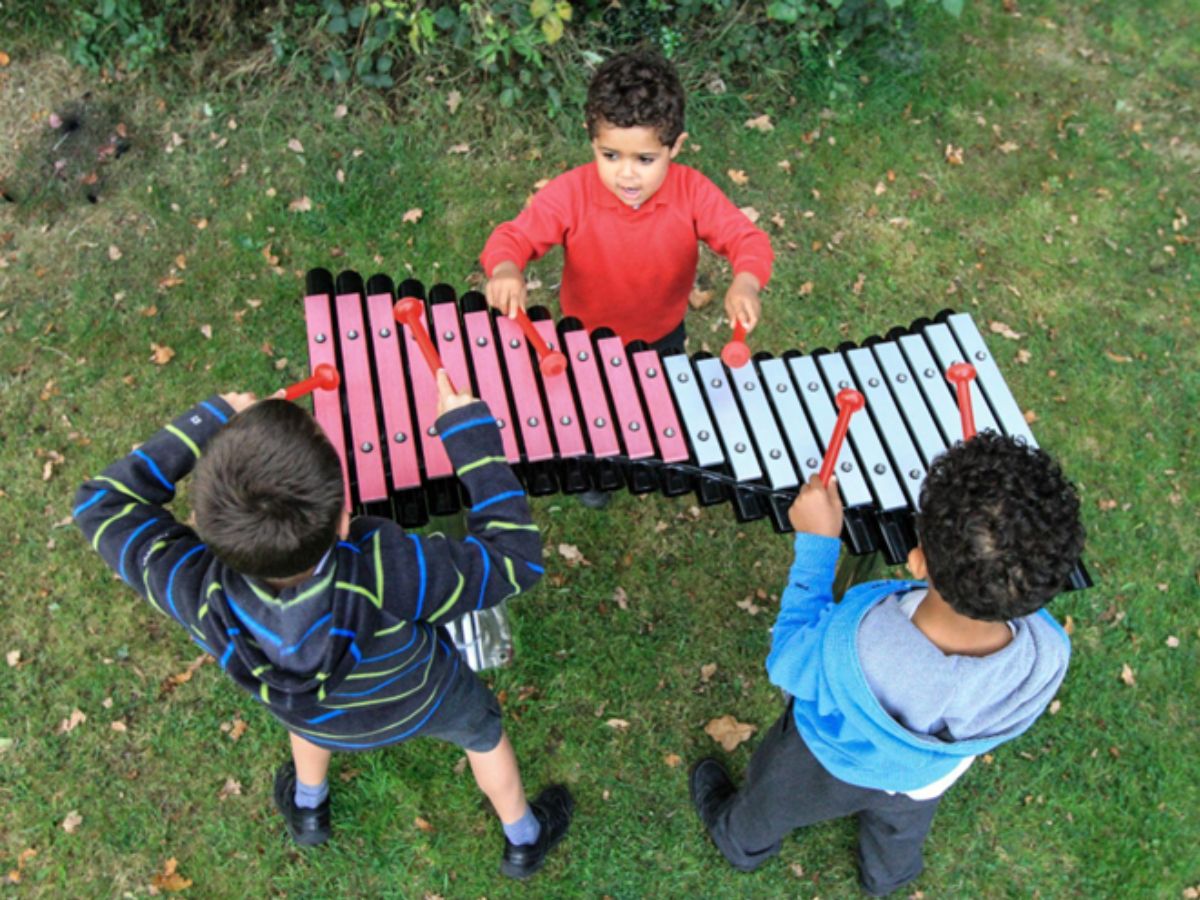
(595, 499)
(710, 787)
(552, 808)
(308, 827)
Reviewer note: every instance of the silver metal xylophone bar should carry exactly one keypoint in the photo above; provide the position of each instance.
(622, 417)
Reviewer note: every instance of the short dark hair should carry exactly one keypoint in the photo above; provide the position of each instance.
(267, 492)
(636, 89)
(1000, 527)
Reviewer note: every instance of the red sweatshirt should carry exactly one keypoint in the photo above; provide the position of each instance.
(630, 269)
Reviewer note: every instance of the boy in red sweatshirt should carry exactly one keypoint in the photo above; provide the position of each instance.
(629, 220)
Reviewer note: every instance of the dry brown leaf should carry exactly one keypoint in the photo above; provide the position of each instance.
(750, 213)
(617, 724)
(72, 822)
(236, 729)
(114, 252)
(1030, 416)
(806, 288)
(1009, 147)
(1172, 641)
(231, 788)
(206, 330)
(880, 189)
(13, 658)
(300, 204)
(424, 825)
(954, 155)
(738, 176)
(1118, 357)
(4, 60)
(1004, 331)
(77, 717)
(413, 215)
(707, 671)
(760, 123)
(169, 281)
(797, 870)
(749, 606)
(118, 726)
(453, 101)
(699, 299)
(161, 354)
(1127, 675)
(571, 554)
(778, 220)
(461, 149)
(169, 879)
(729, 732)
(340, 111)
(673, 760)
(621, 598)
(857, 287)
(295, 146)
(1023, 356)
(1106, 505)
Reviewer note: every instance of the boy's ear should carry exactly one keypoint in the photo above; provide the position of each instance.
(916, 565)
(343, 525)
(678, 145)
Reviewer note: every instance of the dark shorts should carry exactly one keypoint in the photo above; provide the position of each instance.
(468, 715)
(671, 342)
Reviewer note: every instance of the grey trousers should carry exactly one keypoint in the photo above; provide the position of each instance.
(787, 788)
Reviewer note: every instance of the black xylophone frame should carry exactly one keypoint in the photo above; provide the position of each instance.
(866, 532)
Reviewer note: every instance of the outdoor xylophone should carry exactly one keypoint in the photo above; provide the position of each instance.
(617, 416)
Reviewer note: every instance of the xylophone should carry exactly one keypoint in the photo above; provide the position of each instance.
(622, 417)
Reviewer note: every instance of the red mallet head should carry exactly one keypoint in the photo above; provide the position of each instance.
(407, 308)
(961, 375)
(328, 375)
(324, 377)
(553, 363)
(849, 398)
(736, 353)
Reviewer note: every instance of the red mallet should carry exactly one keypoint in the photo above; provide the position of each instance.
(961, 375)
(736, 353)
(411, 312)
(550, 362)
(324, 378)
(849, 401)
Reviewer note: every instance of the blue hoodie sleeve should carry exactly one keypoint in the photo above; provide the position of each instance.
(122, 512)
(807, 598)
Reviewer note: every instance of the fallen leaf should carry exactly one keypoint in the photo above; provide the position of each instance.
(339, 111)
(413, 215)
(1009, 147)
(1127, 675)
(797, 869)
(729, 732)
(70, 724)
(806, 288)
(300, 204)
(206, 330)
(707, 671)
(571, 554)
(281, 363)
(459, 148)
(1172, 641)
(621, 598)
(699, 299)
(1118, 357)
(424, 825)
(295, 146)
(857, 287)
(1055, 706)
(738, 176)
(13, 658)
(1023, 356)
(880, 188)
(237, 729)
(5, 60)
(760, 123)
(1106, 505)
(169, 879)
(118, 726)
(453, 101)
(72, 822)
(1030, 416)
(785, 164)
(954, 155)
(778, 220)
(169, 281)
(673, 760)
(749, 606)
(617, 724)
(1004, 331)
(114, 252)
(231, 788)
(750, 213)
(161, 354)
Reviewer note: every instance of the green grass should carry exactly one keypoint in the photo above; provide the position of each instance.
(1062, 239)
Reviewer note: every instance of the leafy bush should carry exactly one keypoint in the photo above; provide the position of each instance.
(115, 34)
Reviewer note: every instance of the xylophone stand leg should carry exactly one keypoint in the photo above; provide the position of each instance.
(851, 570)
(483, 637)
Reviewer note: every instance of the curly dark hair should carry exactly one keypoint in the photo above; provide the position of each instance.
(267, 493)
(1000, 527)
(636, 89)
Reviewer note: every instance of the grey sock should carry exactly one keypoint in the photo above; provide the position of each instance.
(311, 796)
(525, 830)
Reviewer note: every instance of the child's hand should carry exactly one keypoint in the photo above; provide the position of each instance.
(742, 303)
(448, 399)
(817, 509)
(506, 289)
(239, 401)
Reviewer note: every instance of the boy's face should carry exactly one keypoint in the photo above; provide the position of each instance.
(633, 162)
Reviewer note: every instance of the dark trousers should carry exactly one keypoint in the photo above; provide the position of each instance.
(671, 342)
(787, 788)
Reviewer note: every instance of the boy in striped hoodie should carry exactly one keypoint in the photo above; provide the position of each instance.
(334, 624)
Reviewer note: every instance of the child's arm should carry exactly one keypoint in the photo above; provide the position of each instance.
(728, 232)
(122, 511)
(500, 558)
(541, 225)
(816, 515)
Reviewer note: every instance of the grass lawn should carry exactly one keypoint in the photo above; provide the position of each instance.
(1073, 220)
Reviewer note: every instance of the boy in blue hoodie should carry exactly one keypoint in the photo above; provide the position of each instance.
(896, 689)
(335, 625)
